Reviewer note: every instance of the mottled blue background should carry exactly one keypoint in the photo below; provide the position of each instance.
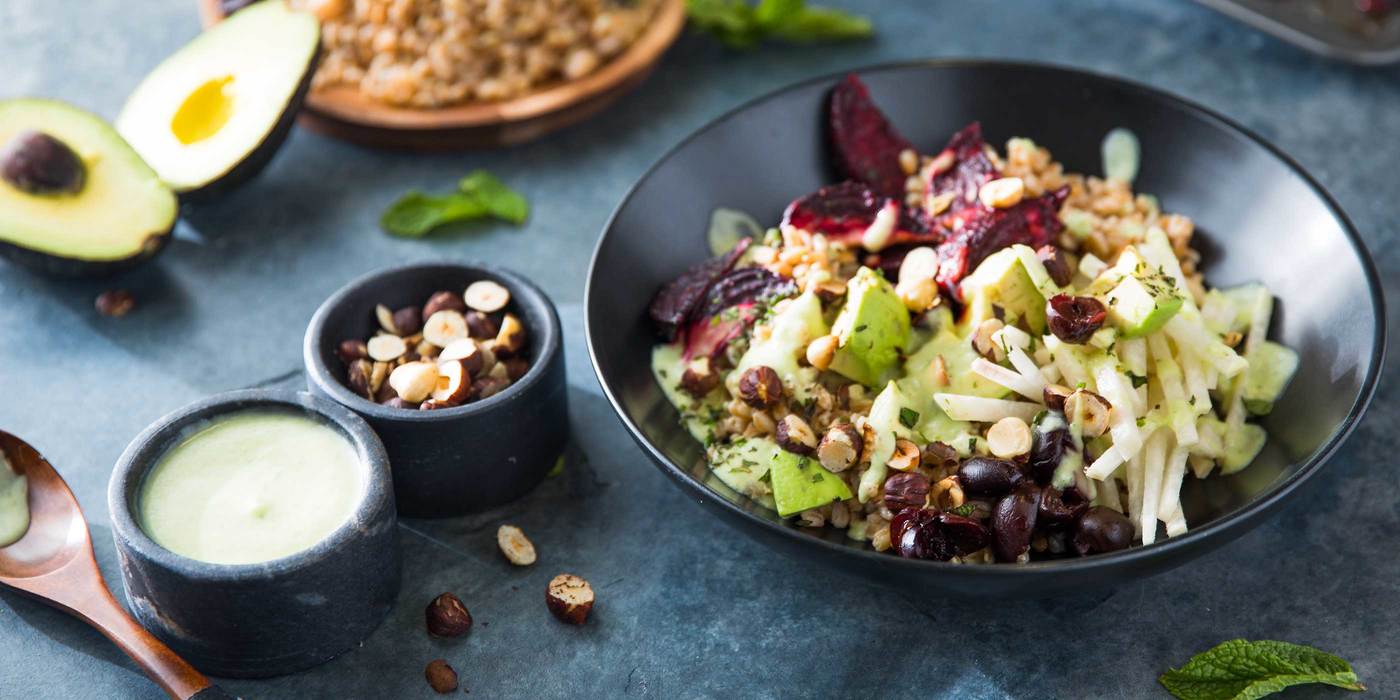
(687, 608)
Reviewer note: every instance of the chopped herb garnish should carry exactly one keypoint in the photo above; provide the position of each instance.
(908, 417)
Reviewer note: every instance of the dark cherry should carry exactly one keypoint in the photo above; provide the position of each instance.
(965, 535)
(1013, 521)
(927, 533)
(988, 476)
(1101, 530)
(1048, 445)
(1060, 507)
(1056, 263)
(35, 163)
(906, 490)
(1074, 319)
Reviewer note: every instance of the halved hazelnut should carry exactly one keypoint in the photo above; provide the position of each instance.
(357, 377)
(350, 350)
(839, 448)
(1054, 396)
(386, 348)
(1009, 437)
(569, 598)
(518, 548)
(466, 350)
(699, 377)
(444, 301)
(939, 455)
(511, 338)
(486, 296)
(454, 382)
(480, 326)
(1090, 408)
(795, 435)
(377, 374)
(822, 351)
(1002, 193)
(386, 319)
(906, 455)
(426, 349)
(409, 320)
(983, 343)
(414, 381)
(444, 327)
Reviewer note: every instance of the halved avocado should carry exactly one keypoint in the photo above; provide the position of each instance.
(211, 116)
(75, 199)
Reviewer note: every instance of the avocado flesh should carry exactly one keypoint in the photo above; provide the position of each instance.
(122, 214)
(873, 328)
(1142, 299)
(800, 483)
(1001, 281)
(211, 115)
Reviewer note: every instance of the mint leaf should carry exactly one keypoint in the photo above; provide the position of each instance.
(416, 213)
(815, 24)
(741, 25)
(500, 201)
(1245, 670)
(908, 417)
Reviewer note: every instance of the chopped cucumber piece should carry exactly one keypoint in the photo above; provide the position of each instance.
(1142, 304)
(1271, 366)
(1242, 445)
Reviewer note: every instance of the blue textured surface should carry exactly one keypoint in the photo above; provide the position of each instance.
(686, 607)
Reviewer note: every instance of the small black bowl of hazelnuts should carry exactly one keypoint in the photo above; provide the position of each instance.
(460, 370)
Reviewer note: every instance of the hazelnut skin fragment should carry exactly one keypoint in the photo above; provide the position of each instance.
(760, 387)
(570, 599)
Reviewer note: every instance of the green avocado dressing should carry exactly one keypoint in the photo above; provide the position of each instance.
(14, 504)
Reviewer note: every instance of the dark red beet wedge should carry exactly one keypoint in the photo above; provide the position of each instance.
(843, 212)
(971, 168)
(1034, 222)
(865, 144)
(679, 300)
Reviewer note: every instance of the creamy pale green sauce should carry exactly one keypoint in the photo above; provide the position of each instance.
(14, 504)
(251, 487)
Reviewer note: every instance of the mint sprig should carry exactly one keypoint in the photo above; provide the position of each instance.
(740, 24)
(1243, 670)
(479, 195)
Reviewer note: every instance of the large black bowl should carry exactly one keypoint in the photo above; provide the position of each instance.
(1261, 217)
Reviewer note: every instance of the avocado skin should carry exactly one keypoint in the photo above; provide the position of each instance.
(260, 155)
(60, 266)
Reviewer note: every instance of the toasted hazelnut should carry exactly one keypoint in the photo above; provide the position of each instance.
(480, 326)
(441, 676)
(357, 377)
(822, 351)
(326, 10)
(444, 301)
(1002, 193)
(466, 350)
(909, 161)
(1232, 338)
(795, 435)
(1054, 396)
(414, 381)
(409, 320)
(444, 327)
(699, 377)
(385, 393)
(839, 448)
(760, 387)
(486, 296)
(1056, 263)
(488, 386)
(1091, 408)
(350, 350)
(435, 405)
(518, 548)
(517, 367)
(941, 163)
(115, 303)
(939, 455)
(386, 348)
(426, 349)
(377, 374)
(511, 337)
(918, 295)
(498, 371)
(454, 383)
(906, 456)
(1009, 437)
(983, 343)
(397, 402)
(386, 319)
(569, 598)
(447, 616)
(935, 204)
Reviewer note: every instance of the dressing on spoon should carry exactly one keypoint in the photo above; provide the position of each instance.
(14, 503)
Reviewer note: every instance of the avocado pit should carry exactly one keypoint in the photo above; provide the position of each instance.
(36, 163)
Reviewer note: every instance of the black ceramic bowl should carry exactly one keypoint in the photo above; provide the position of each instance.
(270, 618)
(1260, 216)
(457, 460)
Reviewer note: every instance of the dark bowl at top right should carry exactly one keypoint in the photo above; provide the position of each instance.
(1259, 216)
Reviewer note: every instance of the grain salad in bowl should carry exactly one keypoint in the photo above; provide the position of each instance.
(971, 355)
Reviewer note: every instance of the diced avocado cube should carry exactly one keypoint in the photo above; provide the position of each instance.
(800, 483)
(1142, 303)
(1241, 447)
(1271, 366)
(1001, 281)
(873, 328)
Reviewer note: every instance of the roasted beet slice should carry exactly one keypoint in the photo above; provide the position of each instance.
(966, 167)
(744, 286)
(709, 336)
(1034, 222)
(678, 301)
(865, 144)
(843, 212)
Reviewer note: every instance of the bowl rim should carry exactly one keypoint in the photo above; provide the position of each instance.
(523, 292)
(1216, 531)
(146, 449)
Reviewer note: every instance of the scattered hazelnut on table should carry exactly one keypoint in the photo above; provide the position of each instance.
(570, 598)
(518, 548)
(115, 303)
(448, 617)
(441, 676)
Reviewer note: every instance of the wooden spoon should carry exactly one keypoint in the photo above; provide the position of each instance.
(53, 562)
